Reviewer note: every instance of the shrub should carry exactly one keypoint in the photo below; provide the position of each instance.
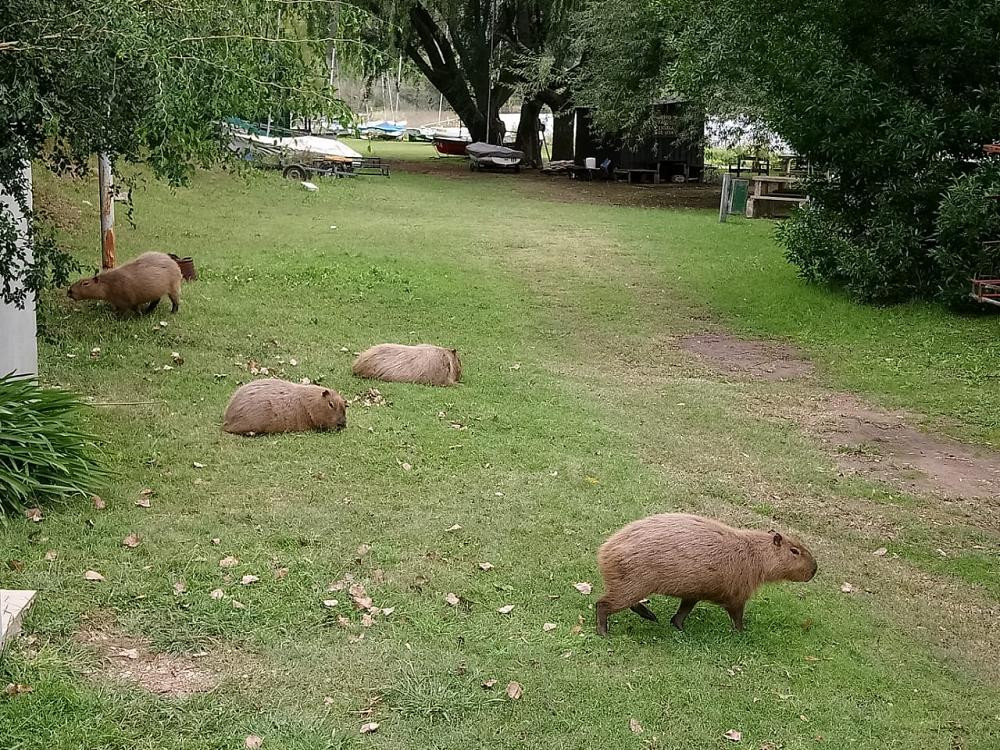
(966, 218)
(44, 453)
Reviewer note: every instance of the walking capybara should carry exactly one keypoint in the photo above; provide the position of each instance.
(268, 406)
(142, 281)
(693, 558)
(424, 363)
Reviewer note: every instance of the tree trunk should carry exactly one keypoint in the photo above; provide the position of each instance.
(562, 134)
(527, 133)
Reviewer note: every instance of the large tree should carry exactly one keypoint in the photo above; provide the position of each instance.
(145, 82)
(890, 101)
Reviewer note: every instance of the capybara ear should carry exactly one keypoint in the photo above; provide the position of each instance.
(326, 394)
(776, 538)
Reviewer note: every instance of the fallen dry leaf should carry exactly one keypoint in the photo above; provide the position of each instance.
(198, 465)
(177, 358)
(343, 622)
(216, 541)
(217, 594)
(330, 603)
(485, 566)
(583, 587)
(548, 627)
(575, 630)
(386, 611)
(228, 562)
(367, 620)
(143, 501)
(93, 575)
(180, 587)
(252, 742)
(880, 552)
(369, 727)
(238, 605)
(249, 579)
(129, 653)
(506, 609)
(16, 688)
(407, 466)
(33, 514)
(733, 735)
(451, 599)
(362, 550)
(488, 684)
(51, 555)
(98, 503)
(456, 527)
(635, 726)
(514, 690)
(328, 701)
(132, 541)
(280, 573)
(846, 588)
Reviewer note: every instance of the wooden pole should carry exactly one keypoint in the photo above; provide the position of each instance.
(107, 187)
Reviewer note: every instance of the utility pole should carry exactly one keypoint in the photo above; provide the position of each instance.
(107, 187)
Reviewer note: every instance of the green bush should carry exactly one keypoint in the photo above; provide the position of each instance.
(966, 218)
(43, 451)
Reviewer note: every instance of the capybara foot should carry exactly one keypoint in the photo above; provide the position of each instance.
(682, 612)
(644, 612)
(603, 610)
(152, 306)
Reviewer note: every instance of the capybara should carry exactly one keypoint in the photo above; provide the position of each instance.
(271, 405)
(693, 558)
(424, 363)
(142, 281)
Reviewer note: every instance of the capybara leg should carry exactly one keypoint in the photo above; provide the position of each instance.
(152, 306)
(644, 612)
(175, 302)
(603, 609)
(736, 614)
(682, 612)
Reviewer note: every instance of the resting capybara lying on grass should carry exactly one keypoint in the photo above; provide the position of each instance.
(268, 406)
(424, 363)
(693, 558)
(142, 281)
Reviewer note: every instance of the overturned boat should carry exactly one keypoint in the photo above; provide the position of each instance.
(488, 156)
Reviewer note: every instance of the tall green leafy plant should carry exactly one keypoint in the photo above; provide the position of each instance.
(44, 451)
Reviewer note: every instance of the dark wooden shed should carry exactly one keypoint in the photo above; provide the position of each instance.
(675, 153)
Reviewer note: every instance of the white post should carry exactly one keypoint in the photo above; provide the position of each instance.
(725, 205)
(106, 184)
(18, 344)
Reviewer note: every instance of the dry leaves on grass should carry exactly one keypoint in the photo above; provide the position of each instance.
(733, 735)
(506, 609)
(253, 742)
(280, 573)
(489, 684)
(51, 555)
(880, 552)
(228, 562)
(451, 599)
(132, 541)
(514, 690)
(249, 579)
(33, 514)
(548, 627)
(145, 496)
(362, 550)
(180, 587)
(93, 575)
(456, 527)
(635, 726)
(97, 502)
(485, 566)
(369, 726)
(846, 587)
(583, 587)
(16, 688)
(216, 541)
(217, 594)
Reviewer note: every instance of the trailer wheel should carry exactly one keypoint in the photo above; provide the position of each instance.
(294, 172)
(472, 166)
(517, 169)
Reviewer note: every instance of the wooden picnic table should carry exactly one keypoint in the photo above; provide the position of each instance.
(768, 192)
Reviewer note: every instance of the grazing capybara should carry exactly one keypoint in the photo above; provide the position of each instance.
(693, 558)
(424, 363)
(271, 405)
(142, 281)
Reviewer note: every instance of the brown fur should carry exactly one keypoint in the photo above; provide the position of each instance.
(267, 406)
(142, 281)
(694, 558)
(425, 363)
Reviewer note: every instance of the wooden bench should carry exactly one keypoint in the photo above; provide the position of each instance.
(772, 192)
(633, 176)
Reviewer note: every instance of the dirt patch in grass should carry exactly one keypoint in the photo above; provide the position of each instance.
(760, 360)
(131, 660)
(883, 445)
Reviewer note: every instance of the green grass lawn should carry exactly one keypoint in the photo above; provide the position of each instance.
(575, 416)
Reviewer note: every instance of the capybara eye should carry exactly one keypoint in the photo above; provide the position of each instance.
(795, 550)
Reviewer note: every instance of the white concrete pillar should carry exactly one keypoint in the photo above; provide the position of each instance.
(18, 343)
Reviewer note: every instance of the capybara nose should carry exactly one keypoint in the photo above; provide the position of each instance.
(69, 293)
